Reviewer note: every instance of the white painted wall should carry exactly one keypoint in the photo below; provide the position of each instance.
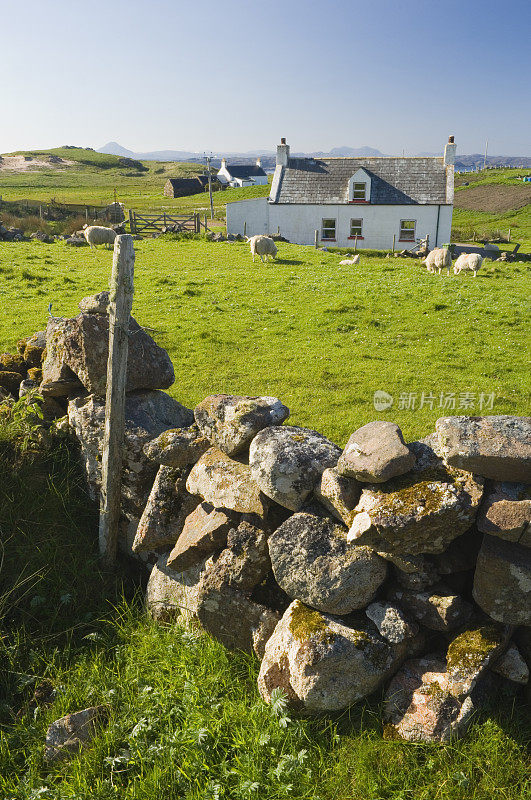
(298, 222)
(225, 177)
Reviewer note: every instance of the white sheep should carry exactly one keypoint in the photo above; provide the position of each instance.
(471, 261)
(262, 246)
(438, 259)
(349, 261)
(96, 234)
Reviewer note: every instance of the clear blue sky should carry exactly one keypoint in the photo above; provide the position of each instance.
(234, 75)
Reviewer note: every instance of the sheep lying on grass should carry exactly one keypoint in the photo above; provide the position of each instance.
(348, 261)
(96, 234)
(438, 259)
(471, 261)
(262, 246)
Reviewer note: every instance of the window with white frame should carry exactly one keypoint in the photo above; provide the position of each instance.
(407, 230)
(328, 229)
(359, 191)
(356, 228)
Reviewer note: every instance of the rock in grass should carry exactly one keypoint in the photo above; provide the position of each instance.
(471, 652)
(313, 562)
(165, 513)
(231, 422)
(74, 732)
(80, 345)
(421, 512)
(497, 447)
(10, 381)
(420, 707)
(506, 512)
(502, 581)
(338, 494)
(323, 663)
(180, 447)
(170, 594)
(287, 462)
(375, 453)
(204, 531)
(226, 483)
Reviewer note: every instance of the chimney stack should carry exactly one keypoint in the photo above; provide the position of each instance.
(223, 162)
(258, 162)
(449, 152)
(282, 153)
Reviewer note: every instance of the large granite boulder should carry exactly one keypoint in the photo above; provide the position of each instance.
(506, 512)
(180, 447)
(313, 562)
(502, 581)
(287, 462)
(170, 594)
(167, 508)
(421, 512)
(323, 663)
(497, 447)
(81, 346)
(226, 483)
(375, 453)
(147, 414)
(231, 422)
(471, 652)
(204, 531)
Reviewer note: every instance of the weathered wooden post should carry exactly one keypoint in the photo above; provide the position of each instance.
(355, 242)
(394, 240)
(131, 222)
(245, 228)
(509, 235)
(316, 238)
(206, 224)
(120, 303)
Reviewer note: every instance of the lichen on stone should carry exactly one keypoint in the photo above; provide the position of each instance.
(306, 623)
(468, 651)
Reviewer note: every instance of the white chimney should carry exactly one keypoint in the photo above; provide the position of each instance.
(258, 162)
(449, 152)
(282, 153)
(223, 163)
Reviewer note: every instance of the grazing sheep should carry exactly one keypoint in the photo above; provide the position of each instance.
(348, 261)
(96, 234)
(471, 261)
(262, 246)
(438, 259)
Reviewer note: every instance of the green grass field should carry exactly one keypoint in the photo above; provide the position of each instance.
(186, 718)
(321, 337)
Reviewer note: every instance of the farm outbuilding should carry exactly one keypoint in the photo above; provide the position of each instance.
(181, 187)
(371, 202)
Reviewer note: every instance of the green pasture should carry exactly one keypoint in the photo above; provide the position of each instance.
(321, 337)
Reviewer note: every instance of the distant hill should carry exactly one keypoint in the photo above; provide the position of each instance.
(476, 161)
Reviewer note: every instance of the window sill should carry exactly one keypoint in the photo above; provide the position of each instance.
(360, 202)
(359, 238)
(327, 240)
(411, 241)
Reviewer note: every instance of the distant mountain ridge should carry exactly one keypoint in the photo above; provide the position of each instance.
(463, 162)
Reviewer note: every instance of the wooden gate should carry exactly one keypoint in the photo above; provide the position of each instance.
(160, 223)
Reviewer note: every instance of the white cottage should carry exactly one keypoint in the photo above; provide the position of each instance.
(368, 200)
(238, 175)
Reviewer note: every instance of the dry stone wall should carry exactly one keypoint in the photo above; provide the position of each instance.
(386, 565)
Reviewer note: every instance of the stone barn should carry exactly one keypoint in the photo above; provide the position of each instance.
(182, 187)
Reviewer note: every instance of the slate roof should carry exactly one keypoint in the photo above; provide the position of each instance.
(396, 181)
(245, 170)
